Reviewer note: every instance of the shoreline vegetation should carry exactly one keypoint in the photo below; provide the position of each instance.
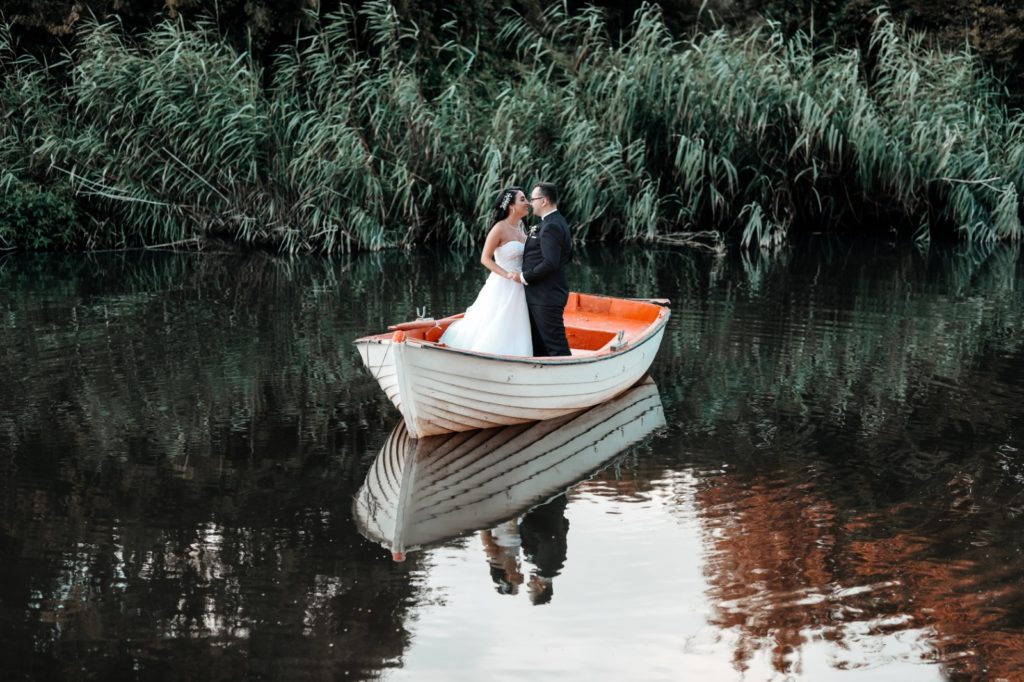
(360, 136)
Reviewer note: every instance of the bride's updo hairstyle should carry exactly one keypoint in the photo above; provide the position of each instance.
(503, 203)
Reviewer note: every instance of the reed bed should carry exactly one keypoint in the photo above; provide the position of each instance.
(177, 139)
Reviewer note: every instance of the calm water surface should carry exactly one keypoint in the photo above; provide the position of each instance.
(824, 482)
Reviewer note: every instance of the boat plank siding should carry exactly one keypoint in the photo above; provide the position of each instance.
(470, 404)
(435, 421)
(456, 402)
(513, 394)
(441, 390)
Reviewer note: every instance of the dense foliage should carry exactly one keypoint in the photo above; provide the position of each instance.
(364, 136)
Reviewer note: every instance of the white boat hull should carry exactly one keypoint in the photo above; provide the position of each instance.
(443, 390)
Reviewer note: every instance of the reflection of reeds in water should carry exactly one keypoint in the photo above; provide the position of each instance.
(172, 345)
(851, 338)
(179, 351)
(345, 149)
(173, 433)
(787, 567)
(211, 569)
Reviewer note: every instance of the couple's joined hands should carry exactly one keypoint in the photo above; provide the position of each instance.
(514, 276)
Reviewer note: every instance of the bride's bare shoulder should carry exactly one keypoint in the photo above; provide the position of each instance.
(497, 232)
(502, 234)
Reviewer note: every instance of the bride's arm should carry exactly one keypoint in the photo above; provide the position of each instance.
(492, 242)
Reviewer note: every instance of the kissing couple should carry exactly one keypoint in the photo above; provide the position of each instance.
(519, 309)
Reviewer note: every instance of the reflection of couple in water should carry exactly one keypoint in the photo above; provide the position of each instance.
(542, 535)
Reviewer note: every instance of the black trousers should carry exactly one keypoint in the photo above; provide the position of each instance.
(548, 330)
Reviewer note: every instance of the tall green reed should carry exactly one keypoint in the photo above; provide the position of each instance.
(377, 139)
(756, 133)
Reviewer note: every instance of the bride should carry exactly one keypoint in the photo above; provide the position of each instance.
(498, 321)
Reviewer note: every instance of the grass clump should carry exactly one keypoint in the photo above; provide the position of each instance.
(35, 218)
(360, 136)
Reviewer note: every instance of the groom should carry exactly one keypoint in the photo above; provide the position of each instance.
(545, 256)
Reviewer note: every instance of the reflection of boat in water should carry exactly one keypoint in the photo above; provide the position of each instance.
(422, 491)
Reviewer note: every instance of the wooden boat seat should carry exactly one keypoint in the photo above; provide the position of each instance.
(593, 323)
(585, 339)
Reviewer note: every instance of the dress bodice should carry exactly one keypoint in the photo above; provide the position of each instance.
(510, 256)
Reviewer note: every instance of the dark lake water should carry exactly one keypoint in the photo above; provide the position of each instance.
(836, 490)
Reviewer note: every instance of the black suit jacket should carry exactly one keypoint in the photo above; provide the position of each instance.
(544, 259)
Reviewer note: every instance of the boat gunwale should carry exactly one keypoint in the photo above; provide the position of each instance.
(560, 360)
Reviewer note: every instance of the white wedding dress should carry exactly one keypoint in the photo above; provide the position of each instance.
(498, 321)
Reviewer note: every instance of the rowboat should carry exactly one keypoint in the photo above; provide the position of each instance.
(441, 390)
(419, 492)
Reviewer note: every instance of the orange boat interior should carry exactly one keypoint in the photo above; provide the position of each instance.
(592, 323)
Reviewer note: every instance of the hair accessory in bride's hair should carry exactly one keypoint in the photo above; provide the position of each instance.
(505, 199)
